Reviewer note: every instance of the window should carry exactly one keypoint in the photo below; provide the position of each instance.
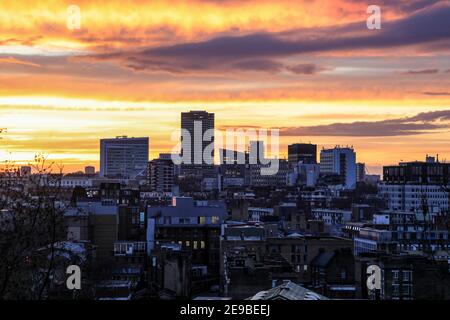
(343, 274)
(406, 290)
(407, 275)
(201, 220)
(215, 219)
(202, 244)
(395, 290)
(395, 274)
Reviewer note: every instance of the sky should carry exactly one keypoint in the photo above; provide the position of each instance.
(310, 68)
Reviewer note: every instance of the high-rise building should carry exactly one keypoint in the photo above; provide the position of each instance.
(305, 152)
(360, 172)
(339, 161)
(161, 174)
(198, 124)
(124, 157)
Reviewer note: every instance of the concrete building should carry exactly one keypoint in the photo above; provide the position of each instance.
(194, 225)
(417, 187)
(95, 222)
(304, 174)
(233, 168)
(194, 125)
(279, 179)
(124, 157)
(360, 172)
(332, 216)
(302, 152)
(339, 161)
(161, 175)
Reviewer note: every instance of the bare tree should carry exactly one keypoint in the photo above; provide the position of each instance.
(31, 218)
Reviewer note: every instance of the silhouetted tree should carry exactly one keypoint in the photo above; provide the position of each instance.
(31, 223)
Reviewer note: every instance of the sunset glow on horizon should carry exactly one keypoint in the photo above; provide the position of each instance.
(310, 68)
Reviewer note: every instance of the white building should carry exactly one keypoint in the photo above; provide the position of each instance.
(412, 198)
(124, 157)
(72, 181)
(340, 161)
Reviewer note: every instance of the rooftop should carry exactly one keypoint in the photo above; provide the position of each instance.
(288, 291)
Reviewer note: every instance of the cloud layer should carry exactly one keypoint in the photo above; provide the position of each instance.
(421, 123)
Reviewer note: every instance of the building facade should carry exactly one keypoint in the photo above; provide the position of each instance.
(304, 152)
(161, 175)
(124, 157)
(195, 126)
(340, 161)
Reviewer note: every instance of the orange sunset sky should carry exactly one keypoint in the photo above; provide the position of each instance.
(309, 67)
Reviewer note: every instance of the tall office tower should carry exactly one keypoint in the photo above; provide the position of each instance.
(360, 172)
(160, 174)
(305, 152)
(197, 123)
(124, 157)
(340, 161)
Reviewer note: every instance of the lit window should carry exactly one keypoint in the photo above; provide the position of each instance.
(215, 219)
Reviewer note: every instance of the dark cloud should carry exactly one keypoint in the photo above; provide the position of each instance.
(402, 6)
(262, 51)
(430, 93)
(443, 115)
(258, 65)
(423, 71)
(418, 124)
(426, 26)
(308, 68)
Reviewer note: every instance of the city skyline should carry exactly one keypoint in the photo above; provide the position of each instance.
(310, 68)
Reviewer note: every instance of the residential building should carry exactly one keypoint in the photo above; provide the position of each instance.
(194, 225)
(161, 175)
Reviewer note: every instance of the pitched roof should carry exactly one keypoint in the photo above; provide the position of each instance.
(288, 291)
